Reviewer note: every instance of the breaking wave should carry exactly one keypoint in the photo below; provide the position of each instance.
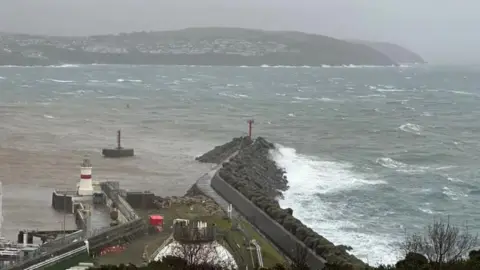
(310, 179)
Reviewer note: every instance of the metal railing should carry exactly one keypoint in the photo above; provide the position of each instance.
(99, 237)
(65, 244)
(114, 194)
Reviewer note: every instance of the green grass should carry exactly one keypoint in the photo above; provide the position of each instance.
(270, 255)
(233, 239)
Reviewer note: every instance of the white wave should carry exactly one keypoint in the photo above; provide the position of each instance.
(233, 95)
(309, 176)
(280, 94)
(48, 116)
(96, 81)
(455, 180)
(357, 66)
(325, 99)
(389, 90)
(2, 78)
(283, 66)
(325, 66)
(411, 128)
(291, 115)
(119, 97)
(301, 98)
(373, 95)
(426, 210)
(453, 195)
(64, 66)
(400, 166)
(60, 81)
(129, 80)
(463, 93)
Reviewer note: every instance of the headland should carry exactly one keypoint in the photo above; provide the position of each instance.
(216, 46)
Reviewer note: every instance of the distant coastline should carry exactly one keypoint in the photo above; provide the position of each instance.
(197, 46)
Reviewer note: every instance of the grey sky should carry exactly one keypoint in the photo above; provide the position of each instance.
(442, 31)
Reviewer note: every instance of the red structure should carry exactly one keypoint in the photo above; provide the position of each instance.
(112, 249)
(250, 122)
(157, 222)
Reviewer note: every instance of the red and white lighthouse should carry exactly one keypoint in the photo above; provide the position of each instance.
(85, 187)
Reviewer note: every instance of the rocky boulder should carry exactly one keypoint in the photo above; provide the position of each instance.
(222, 152)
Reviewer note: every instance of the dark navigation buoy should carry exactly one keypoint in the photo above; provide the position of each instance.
(119, 151)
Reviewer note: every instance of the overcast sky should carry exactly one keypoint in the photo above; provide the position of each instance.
(442, 31)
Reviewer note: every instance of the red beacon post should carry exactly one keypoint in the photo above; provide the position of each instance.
(250, 122)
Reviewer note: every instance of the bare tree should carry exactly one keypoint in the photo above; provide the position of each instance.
(204, 254)
(442, 243)
(299, 260)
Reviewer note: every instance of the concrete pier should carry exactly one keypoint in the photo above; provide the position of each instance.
(141, 200)
(119, 151)
(93, 221)
(62, 200)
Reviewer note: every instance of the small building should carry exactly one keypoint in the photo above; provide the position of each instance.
(212, 252)
(196, 242)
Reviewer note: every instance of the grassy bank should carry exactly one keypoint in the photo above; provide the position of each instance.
(234, 234)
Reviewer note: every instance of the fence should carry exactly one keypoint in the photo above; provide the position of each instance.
(98, 237)
(101, 237)
(278, 235)
(114, 193)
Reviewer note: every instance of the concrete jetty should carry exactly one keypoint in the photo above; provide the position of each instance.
(119, 151)
(90, 203)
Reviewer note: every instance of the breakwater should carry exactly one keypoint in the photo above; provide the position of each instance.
(276, 233)
(252, 182)
(115, 194)
(71, 245)
(100, 239)
(62, 200)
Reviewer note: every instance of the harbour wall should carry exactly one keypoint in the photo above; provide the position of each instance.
(79, 218)
(72, 245)
(114, 195)
(63, 201)
(113, 207)
(278, 235)
(141, 200)
(99, 240)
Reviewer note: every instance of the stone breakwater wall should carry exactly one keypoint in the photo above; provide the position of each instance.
(222, 152)
(62, 249)
(253, 174)
(283, 239)
(114, 195)
(63, 201)
(104, 238)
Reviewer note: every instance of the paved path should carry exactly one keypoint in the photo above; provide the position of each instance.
(157, 251)
(204, 184)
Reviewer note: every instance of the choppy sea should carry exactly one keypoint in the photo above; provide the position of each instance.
(370, 152)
